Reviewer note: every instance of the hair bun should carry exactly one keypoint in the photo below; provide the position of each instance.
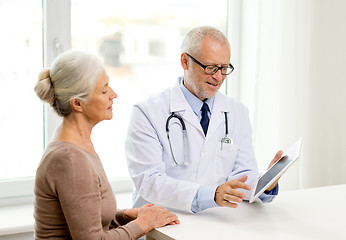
(44, 87)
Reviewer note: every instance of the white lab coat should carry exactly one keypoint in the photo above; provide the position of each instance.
(156, 178)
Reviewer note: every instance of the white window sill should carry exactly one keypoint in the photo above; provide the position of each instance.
(19, 218)
(16, 219)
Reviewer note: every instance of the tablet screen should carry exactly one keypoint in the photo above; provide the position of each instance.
(275, 171)
(272, 172)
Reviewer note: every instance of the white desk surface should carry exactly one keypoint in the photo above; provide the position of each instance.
(314, 213)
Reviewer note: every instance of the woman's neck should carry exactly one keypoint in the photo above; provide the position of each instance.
(76, 130)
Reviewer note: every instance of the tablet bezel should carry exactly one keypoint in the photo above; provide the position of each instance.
(292, 153)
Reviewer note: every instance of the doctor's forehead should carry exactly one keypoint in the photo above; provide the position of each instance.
(215, 51)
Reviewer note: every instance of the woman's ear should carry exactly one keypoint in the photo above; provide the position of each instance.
(183, 61)
(76, 105)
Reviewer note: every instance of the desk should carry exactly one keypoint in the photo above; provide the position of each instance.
(315, 213)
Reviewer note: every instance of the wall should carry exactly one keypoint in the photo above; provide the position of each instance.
(292, 59)
(325, 109)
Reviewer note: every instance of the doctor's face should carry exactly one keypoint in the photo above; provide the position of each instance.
(199, 83)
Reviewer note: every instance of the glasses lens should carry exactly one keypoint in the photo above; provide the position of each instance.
(211, 69)
(226, 70)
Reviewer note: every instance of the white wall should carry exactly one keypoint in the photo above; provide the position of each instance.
(292, 77)
(325, 106)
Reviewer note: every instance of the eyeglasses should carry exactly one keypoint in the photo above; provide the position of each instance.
(212, 69)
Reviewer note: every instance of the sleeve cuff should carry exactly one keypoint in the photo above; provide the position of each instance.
(204, 198)
(268, 197)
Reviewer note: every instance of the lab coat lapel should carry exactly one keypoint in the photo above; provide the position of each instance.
(221, 105)
(179, 104)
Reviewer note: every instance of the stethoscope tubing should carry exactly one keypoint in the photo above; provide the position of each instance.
(173, 115)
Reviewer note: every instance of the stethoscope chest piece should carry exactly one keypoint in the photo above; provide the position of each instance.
(227, 139)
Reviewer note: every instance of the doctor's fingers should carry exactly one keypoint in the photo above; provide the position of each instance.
(229, 188)
(228, 200)
(229, 204)
(225, 195)
(234, 184)
(277, 157)
(233, 195)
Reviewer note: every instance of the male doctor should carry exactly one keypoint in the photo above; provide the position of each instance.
(210, 163)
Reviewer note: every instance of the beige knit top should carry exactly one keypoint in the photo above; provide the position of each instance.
(73, 198)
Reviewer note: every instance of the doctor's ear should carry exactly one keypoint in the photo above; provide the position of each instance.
(76, 105)
(183, 61)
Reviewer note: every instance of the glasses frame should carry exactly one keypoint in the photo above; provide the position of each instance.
(215, 67)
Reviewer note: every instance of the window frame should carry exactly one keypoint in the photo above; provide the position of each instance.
(56, 36)
(56, 31)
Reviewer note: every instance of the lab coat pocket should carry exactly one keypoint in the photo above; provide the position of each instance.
(224, 162)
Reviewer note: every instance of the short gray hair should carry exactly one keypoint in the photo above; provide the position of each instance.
(72, 76)
(193, 39)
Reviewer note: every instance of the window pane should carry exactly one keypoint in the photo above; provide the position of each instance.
(21, 115)
(140, 44)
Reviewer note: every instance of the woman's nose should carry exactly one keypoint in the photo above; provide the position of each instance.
(113, 94)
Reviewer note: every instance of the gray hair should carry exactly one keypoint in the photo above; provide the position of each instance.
(193, 39)
(72, 76)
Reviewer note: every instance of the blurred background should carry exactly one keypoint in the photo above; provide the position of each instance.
(289, 58)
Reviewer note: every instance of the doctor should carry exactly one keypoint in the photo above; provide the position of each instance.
(189, 147)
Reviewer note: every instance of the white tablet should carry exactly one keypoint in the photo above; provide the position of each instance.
(275, 171)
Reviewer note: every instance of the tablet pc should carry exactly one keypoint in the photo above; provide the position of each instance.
(275, 171)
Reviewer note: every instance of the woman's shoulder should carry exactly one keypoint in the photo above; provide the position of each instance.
(63, 149)
(65, 155)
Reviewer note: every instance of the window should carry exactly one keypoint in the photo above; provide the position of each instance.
(139, 42)
(21, 115)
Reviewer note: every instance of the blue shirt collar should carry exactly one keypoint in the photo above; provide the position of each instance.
(194, 102)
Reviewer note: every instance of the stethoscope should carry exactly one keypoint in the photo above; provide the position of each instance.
(227, 139)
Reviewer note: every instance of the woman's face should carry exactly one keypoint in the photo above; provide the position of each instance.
(99, 105)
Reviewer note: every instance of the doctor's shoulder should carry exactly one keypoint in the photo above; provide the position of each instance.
(237, 107)
(156, 102)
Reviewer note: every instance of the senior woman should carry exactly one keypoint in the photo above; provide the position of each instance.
(73, 198)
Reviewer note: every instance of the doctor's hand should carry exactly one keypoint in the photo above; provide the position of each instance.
(226, 194)
(151, 217)
(277, 157)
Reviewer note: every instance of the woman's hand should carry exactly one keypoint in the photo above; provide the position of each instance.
(151, 217)
(131, 214)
